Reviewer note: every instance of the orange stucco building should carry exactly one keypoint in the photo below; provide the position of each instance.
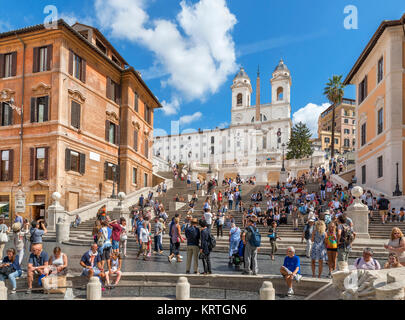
(379, 76)
(87, 119)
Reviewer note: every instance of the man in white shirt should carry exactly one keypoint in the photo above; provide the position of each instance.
(214, 199)
(230, 200)
(208, 218)
(143, 239)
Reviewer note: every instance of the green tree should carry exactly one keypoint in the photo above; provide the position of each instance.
(299, 145)
(334, 91)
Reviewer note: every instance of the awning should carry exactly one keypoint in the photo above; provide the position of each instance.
(3, 204)
(36, 204)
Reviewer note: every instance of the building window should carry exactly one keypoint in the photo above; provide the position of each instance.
(145, 180)
(148, 114)
(8, 65)
(380, 167)
(363, 134)
(353, 131)
(346, 113)
(327, 140)
(39, 159)
(380, 124)
(346, 121)
(110, 171)
(39, 109)
(136, 102)
(112, 132)
(354, 113)
(212, 139)
(6, 165)
(347, 143)
(280, 94)
(147, 148)
(363, 90)
(136, 133)
(336, 141)
(212, 150)
(134, 175)
(75, 161)
(380, 69)
(346, 131)
(113, 91)
(239, 99)
(42, 59)
(101, 46)
(75, 112)
(6, 114)
(354, 142)
(77, 66)
(363, 175)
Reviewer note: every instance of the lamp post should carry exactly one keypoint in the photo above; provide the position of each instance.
(283, 168)
(312, 152)
(397, 192)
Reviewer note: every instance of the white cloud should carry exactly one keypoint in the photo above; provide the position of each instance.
(223, 125)
(309, 115)
(190, 118)
(172, 107)
(5, 26)
(197, 56)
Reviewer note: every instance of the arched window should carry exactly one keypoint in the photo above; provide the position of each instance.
(280, 94)
(239, 99)
(262, 118)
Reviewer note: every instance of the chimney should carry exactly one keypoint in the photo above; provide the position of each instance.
(258, 95)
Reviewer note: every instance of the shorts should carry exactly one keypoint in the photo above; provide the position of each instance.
(188, 182)
(96, 270)
(105, 255)
(115, 244)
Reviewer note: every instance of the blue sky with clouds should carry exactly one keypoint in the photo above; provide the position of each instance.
(189, 51)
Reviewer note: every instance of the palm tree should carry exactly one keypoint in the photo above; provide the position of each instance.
(334, 91)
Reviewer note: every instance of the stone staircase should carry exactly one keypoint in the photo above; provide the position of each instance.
(379, 233)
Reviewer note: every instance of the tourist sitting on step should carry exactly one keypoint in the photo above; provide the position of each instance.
(367, 262)
(114, 268)
(393, 262)
(291, 269)
(10, 268)
(91, 263)
(58, 262)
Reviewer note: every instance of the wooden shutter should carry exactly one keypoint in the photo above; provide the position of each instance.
(46, 108)
(35, 60)
(71, 62)
(32, 163)
(136, 140)
(365, 87)
(2, 65)
(146, 147)
(108, 89)
(49, 54)
(14, 64)
(117, 135)
(1, 113)
(105, 170)
(10, 114)
(118, 94)
(136, 102)
(33, 109)
(82, 163)
(11, 165)
(46, 175)
(107, 130)
(83, 71)
(67, 159)
(75, 115)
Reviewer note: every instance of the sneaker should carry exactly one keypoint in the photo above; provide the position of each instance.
(247, 272)
(28, 291)
(160, 252)
(298, 277)
(187, 272)
(13, 291)
(290, 292)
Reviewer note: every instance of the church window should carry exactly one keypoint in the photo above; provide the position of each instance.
(239, 99)
(280, 94)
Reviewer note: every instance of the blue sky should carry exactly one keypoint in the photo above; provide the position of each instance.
(189, 52)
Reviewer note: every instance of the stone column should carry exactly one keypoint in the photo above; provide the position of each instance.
(94, 289)
(62, 230)
(55, 211)
(182, 289)
(358, 212)
(267, 291)
(3, 291)
(119, 211)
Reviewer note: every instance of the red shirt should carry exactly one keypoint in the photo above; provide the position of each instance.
(116, 232)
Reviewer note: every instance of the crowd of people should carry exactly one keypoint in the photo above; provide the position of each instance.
(321, 215)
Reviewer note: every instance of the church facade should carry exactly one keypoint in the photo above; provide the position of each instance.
(256, 133)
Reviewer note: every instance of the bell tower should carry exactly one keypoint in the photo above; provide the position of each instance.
(241, 94)
(281, 84)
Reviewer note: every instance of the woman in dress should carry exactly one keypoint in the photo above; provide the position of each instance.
(123, 236)
(176, 240)
(318, 252)
(234, 239)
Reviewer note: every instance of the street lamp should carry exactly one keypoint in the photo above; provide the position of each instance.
(283, 168)
(397, 192)
(312, 152)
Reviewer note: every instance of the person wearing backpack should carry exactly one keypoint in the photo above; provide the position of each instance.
(251, 239)
(193, 240)
(307, 235)
(367, 262)
(345, 236)
(205, 247)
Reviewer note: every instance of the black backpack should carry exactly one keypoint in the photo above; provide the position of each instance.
(212, 242)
